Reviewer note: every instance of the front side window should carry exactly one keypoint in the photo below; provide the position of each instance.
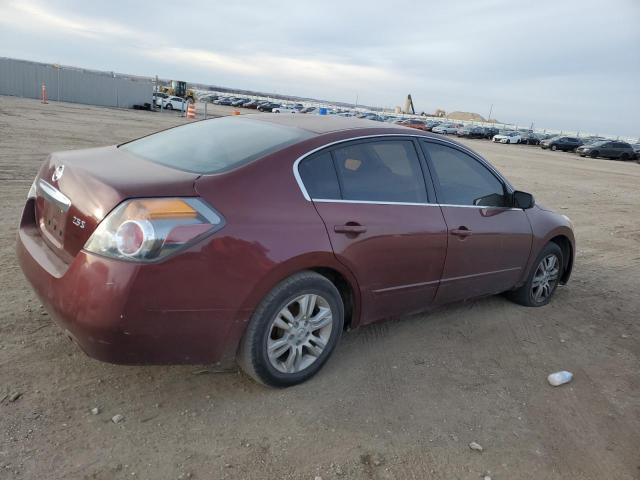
(380, 171)
(462, 180)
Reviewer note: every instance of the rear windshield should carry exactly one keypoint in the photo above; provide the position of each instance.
(213, 146)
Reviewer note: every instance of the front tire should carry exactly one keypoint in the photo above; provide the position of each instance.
(543, 278)
(293, 331)
(554, 148)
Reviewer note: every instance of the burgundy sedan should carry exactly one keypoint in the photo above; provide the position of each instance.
(261, 238)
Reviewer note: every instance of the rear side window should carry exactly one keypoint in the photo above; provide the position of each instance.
(462, 180)
(382, 171)
(319, 177)
(217, 145)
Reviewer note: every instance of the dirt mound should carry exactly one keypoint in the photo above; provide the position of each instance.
(467, 116)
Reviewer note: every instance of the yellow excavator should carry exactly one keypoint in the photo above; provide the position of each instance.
(178, 88)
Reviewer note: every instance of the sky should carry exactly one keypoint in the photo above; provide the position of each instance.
(563, 64)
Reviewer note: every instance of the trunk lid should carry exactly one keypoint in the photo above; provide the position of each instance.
(77, 189)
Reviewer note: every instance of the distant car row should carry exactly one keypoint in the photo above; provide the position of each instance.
(593, 147)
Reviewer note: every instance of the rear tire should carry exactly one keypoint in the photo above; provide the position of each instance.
(168, 106)
(281, 346)
(554, 148)
(543, 278)
(594, 154)
(624, 157)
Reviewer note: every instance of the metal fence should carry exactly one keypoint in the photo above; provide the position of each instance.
(67, 84)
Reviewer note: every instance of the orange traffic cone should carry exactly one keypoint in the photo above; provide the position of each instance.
(236, 112)
(191, 110)
(44, 93)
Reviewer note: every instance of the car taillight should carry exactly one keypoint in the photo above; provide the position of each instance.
(149, 229)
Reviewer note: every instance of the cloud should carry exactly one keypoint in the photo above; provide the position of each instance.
(558, 63)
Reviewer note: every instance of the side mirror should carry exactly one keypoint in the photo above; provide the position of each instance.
(523, 200)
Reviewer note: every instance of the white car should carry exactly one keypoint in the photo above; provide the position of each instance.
(285, 109)
(175, 103)
(158, 97)
(507, 137)
(446, 128)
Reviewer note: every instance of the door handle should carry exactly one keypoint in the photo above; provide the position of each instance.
(461, 232)
(350, 228)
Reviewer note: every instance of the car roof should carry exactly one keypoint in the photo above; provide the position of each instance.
(320, 124)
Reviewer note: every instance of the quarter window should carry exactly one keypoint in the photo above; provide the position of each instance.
(319, 177)
(381, 171)
(462, 180)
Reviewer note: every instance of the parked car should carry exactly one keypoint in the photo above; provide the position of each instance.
(471, 132)
(238, 102)
(636, 150)
(507, 136)
(412, 123)
(158, 98)
(162, 261)
(446, 128)
(309, 110)
(607, 149)
(490, 132)
(530, 138)
(225, 101)
(176, 103)
(268, 107)
(589, 140)
(285, 109)
(566, 144)
(375, 118)
(251, 104)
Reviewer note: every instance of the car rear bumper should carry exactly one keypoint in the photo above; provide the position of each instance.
(123, 312)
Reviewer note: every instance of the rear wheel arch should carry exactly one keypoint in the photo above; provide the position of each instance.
(346, 289)
(326, 265)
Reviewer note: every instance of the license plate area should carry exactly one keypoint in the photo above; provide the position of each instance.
(52, 213)
(52, 223)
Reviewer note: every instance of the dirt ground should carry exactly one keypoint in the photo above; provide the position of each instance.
(398, 400)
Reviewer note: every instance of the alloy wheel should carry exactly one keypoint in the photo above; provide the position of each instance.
(299, 333)
(545, 278)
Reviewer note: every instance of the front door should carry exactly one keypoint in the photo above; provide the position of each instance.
(488, 241)
(372, 198)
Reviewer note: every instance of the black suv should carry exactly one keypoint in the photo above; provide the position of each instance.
(530, 138)
(607, 149)
(566, 144)
(490, 132)
(267, 107)
(471, 132)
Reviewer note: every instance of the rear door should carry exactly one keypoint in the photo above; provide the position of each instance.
(607, 150)
(488, 241)
(617, 149)
(372, 197)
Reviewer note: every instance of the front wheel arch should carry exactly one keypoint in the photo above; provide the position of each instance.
(567, 255)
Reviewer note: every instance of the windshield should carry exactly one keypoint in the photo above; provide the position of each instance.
(213, 146)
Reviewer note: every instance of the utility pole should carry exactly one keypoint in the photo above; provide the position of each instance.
(490, 111)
